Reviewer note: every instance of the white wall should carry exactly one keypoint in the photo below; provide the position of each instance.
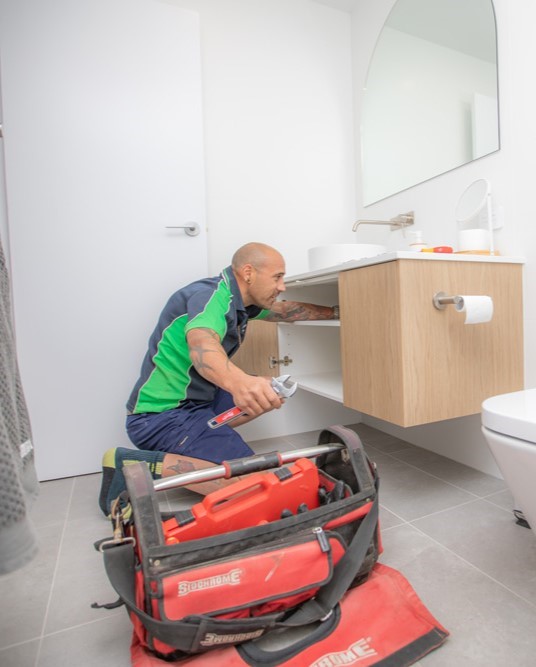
(511, 172)
(278, 125)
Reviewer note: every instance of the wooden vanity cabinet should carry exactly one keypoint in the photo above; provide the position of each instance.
(408, 363)
(395, 356)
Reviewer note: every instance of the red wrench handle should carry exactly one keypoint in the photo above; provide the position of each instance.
(225, 417)
(280, 387)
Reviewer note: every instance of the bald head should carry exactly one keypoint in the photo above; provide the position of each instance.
(256, 254)
(259, 271)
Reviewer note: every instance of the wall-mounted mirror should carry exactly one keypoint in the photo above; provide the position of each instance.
(431, 97)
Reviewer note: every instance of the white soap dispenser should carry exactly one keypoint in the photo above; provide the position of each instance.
(417, 244)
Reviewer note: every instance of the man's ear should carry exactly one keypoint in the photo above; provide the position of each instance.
(247, 273)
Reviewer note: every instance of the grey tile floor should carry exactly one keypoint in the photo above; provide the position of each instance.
(448, 528)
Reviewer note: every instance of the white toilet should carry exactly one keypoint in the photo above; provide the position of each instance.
(509, 426)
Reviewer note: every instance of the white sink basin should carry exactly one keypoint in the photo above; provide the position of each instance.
(336, 253)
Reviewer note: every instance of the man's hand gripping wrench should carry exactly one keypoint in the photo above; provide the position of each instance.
(281, 385)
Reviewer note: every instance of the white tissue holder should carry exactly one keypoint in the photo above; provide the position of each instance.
(477, 309)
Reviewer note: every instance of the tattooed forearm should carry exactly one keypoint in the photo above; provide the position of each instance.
(290, 311)
(295, 311)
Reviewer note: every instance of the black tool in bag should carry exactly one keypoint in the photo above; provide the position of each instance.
(188, 590)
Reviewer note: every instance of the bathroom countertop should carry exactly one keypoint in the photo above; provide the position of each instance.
(331, 273)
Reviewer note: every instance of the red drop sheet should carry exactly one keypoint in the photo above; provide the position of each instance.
(381, 619)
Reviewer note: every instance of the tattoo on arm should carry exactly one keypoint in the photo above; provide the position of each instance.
(295, 311)
(200, 351)
(198, 355)
(181, 466)
(291, 313)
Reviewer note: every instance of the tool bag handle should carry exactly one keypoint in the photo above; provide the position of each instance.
(188, 633)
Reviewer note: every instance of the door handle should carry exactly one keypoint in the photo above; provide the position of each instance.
(191, 229)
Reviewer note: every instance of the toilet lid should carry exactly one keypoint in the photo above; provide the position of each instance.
(512, 414)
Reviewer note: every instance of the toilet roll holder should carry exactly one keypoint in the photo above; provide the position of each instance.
(478, 309)
(442, 300)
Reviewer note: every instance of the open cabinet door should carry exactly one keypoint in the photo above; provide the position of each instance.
(104, 150)
(259, 353)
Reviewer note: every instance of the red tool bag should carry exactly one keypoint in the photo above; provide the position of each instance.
(272, 552)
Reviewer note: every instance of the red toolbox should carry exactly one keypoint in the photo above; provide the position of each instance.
(258, 498)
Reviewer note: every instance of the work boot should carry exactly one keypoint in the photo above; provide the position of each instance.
(113, 480)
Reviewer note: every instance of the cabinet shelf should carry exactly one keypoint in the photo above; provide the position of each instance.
(328, 385)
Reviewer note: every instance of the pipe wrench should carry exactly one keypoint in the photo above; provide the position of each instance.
(282, 386)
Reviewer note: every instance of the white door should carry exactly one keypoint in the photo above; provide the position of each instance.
(103, 146)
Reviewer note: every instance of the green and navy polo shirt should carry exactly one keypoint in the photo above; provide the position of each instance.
(168, 378)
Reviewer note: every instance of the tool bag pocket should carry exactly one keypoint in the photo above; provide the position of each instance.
(186, 596)
(260, 580)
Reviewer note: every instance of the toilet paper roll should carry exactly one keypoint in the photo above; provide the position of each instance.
(477, 309)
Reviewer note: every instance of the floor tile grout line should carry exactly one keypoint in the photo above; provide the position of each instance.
(81, 625)
(61, 631)
(508, 511)
(22, 643)
(475, 499)
(431, 514)
(455, 486)
(412, 524)
(485, 497)
(490, 502)
(401, 518)
(447, 509)
(475, 567)
(454, 553)
(53, 580)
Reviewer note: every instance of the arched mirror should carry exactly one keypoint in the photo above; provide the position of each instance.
(431, 97)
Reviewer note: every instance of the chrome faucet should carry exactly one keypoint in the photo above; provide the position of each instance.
(398, 222)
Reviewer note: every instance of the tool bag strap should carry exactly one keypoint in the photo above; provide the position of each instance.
(347, 568)
(321, 606)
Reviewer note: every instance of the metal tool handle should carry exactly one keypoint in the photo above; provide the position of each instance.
(279, 385)
(243, 466)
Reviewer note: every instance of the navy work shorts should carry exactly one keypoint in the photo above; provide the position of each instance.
(186, 431)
